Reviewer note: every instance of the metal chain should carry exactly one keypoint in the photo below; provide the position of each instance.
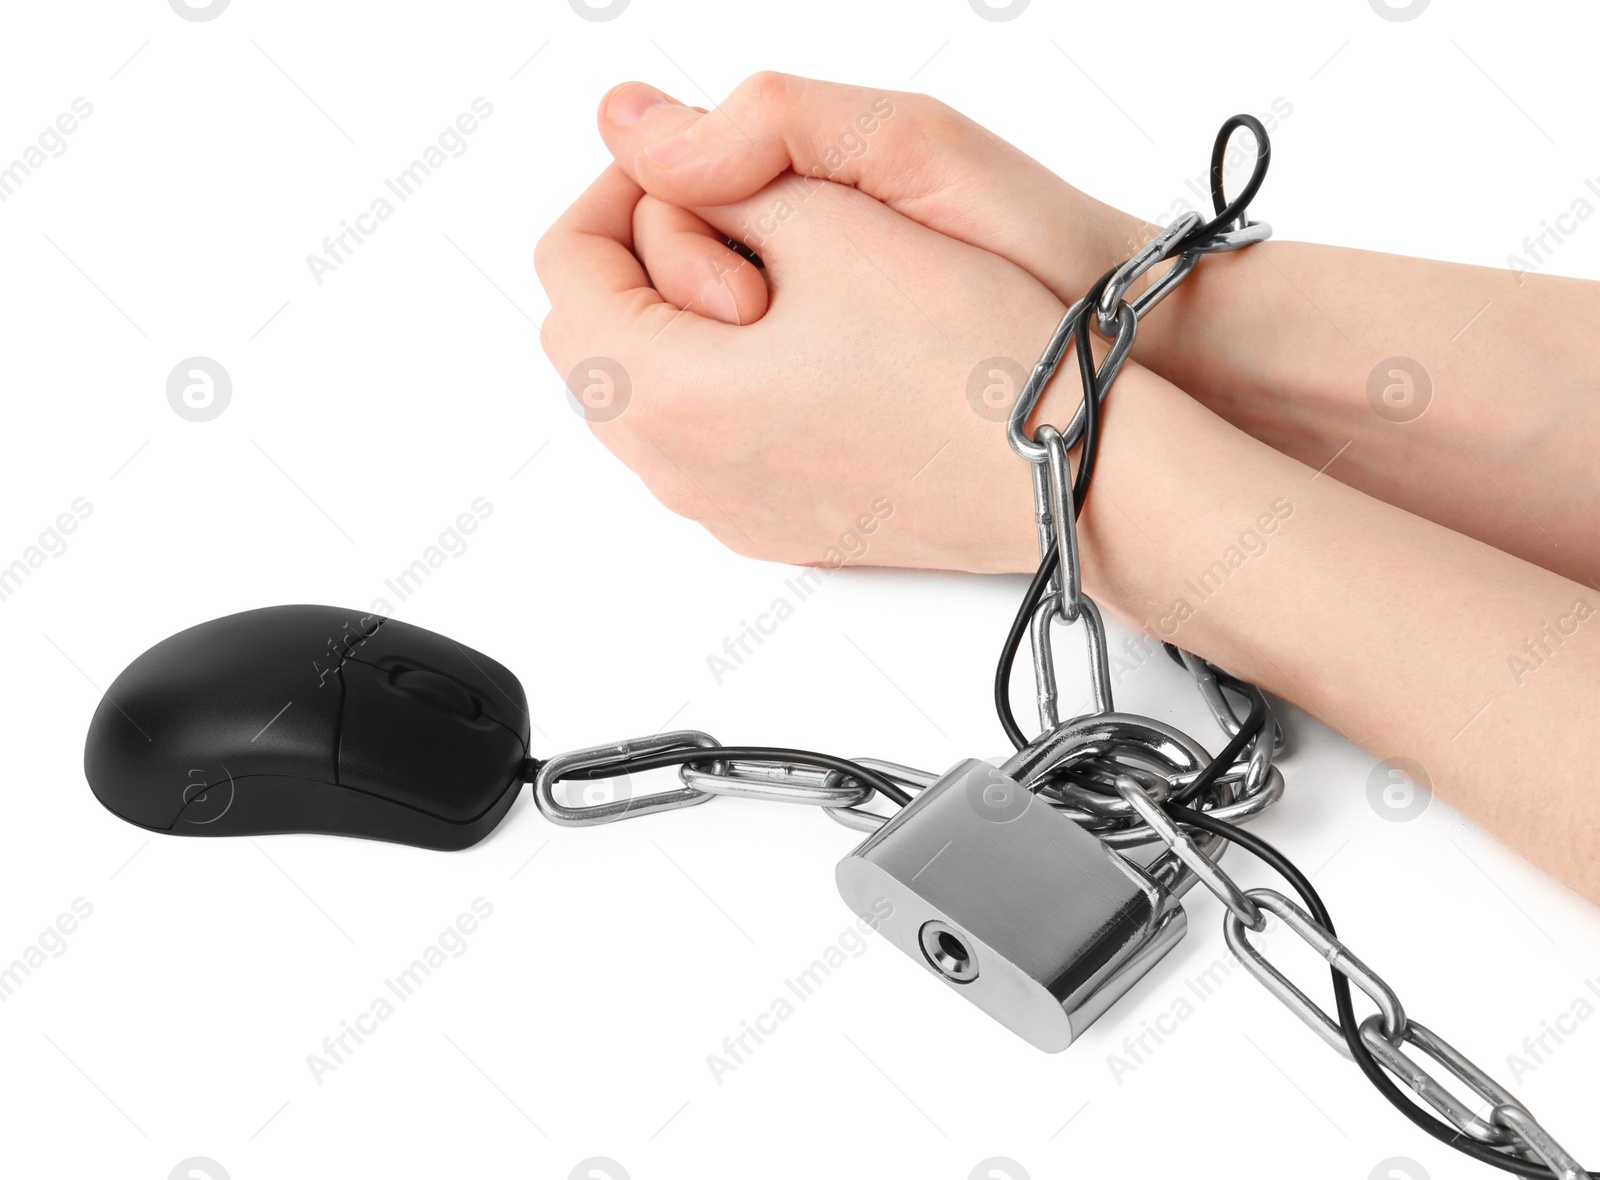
(1507, 1127)
(1110, 772)
(1072, 765)
(1047, 450)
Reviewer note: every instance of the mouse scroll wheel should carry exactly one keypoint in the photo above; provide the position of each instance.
(439, 691)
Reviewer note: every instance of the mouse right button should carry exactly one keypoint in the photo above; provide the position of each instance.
(437, 690)
(397, 645)
(397, 744)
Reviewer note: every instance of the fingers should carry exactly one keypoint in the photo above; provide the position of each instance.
(607, 330)
(772, 123)
(602, 303)
(586, 263)
(692, 267)
(909, 151)
(787, 222)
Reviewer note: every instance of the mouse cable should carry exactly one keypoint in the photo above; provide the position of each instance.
(1094, 391)
(1348, 1026)
(1095, 388)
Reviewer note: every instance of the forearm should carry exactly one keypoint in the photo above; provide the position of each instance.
(1398, 633)
(1294, 343)
(1281, 338)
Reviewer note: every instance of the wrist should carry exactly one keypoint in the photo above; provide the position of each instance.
(1174, 490)
(1180, 338)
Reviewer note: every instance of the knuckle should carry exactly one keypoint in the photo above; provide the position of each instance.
(544, 252)
(679, 497)
(922, 120)
(934, 117)
(770, 93)
(737, 542)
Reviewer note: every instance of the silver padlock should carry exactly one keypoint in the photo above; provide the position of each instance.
(1011, 903)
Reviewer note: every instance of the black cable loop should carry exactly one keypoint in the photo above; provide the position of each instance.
(1349, 1026)
(1094, 391)
(1230, 215)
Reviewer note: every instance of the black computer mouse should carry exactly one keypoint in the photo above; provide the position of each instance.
(311, 719)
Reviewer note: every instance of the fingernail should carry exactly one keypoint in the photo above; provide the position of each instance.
(631, 103)
(718, 302)
(669, 151)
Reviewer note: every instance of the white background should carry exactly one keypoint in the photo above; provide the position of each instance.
(369, 411)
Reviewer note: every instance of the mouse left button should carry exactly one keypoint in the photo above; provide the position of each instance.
(247, 695)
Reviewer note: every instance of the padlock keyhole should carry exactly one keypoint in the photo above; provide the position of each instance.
(947, 953)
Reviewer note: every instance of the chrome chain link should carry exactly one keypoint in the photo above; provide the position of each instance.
(1506, 1126)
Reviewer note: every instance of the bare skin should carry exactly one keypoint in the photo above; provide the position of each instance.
(782, 404)
(1281, 339)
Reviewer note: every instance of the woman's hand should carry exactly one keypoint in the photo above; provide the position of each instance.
(1332, 356)
(914, 154)
(856, 402)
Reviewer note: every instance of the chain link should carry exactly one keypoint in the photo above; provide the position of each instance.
(1507, 1127)
(777, 782)
(584, 814)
